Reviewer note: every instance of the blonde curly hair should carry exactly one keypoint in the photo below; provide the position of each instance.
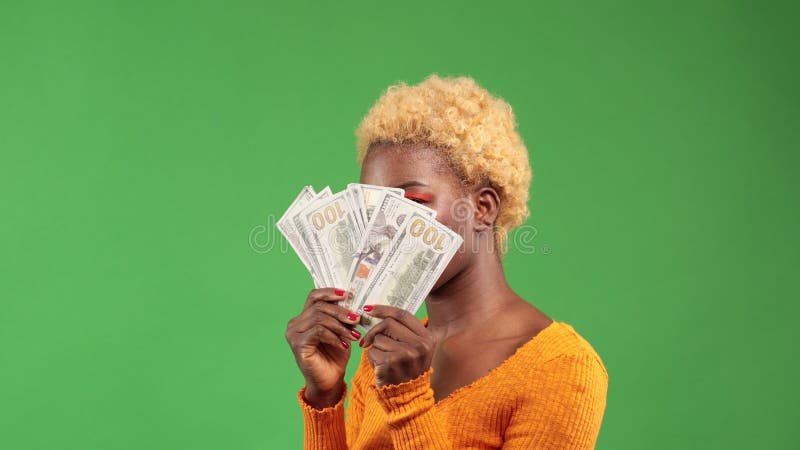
(476, 131)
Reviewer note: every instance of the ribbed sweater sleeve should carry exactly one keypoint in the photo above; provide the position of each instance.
(323, 428)
(563, 408)
(327, 429)
(413, 422)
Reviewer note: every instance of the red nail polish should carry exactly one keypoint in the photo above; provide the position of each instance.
(361, 343)
(352, 316)
(338, 292)
(367, 308)
(355, 334)
(345, 344)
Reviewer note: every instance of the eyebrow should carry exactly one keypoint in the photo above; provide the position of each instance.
(410, 184)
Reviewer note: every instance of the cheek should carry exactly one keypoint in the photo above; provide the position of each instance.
(457, 215)
(456, 265)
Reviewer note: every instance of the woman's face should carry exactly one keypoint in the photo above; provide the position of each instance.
(427, 179)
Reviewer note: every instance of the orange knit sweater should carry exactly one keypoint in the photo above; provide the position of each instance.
(550, 394)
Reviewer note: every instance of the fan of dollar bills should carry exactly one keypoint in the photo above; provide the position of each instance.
(372, 241)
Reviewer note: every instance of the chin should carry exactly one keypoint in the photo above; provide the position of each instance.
(455, 267)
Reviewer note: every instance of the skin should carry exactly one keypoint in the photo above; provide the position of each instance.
(475, 320)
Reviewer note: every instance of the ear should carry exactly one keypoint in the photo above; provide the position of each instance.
(487, 206)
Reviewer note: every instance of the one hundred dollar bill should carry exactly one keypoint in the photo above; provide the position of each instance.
(353, 194)
(333, 234)
(416, 257)
(371, 196)
(388, 217)
(289, 230)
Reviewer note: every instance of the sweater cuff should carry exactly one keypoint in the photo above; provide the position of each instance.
(323, 428)
(410, 415)
(402, 400)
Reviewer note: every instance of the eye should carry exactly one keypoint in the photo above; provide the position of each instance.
(419, 198)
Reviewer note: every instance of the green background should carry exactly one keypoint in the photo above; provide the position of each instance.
(146, 148)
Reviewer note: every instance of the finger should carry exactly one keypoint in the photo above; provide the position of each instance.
(379, 360)
(390, 328)
(387, 344)
(321, 334)
(398, 331)
(337, 312)
(377, 357)
(401, 315)
(370, 336)
(324, 295)
(331, 323)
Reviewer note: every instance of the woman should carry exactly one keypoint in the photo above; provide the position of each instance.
(485, 369)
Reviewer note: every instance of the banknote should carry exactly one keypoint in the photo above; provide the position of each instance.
(354, 198)
(388, 217)
(371, 196)
(333, 234)
(287, 227)
(380, 246)
(416, 257)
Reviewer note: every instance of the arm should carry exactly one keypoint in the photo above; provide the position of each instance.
(563, 407)
(319, 338)
(400, 353)
(323, 429)
(412, 420)
(327, 428)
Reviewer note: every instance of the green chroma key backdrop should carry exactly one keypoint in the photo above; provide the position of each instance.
(147, 148)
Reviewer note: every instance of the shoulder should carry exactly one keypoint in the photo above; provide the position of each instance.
(567, 341)
(561, 349)
(561, 371)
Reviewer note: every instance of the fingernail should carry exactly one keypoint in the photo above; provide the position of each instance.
(352, 316)
(345, 344)
(361, 343)
(338, 291)
(367, 308)
(355, 334)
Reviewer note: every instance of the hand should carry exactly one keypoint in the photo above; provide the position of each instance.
(402, 348)
(320, 340)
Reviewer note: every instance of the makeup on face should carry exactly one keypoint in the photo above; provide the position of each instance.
(419, 197)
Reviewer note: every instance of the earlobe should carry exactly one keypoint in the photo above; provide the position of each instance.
(487, 206)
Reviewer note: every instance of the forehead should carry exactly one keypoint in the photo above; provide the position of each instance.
(393, 164)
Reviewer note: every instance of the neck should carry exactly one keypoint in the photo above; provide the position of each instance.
(473, 296)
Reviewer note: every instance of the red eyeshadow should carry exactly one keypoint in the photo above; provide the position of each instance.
(418, 196)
